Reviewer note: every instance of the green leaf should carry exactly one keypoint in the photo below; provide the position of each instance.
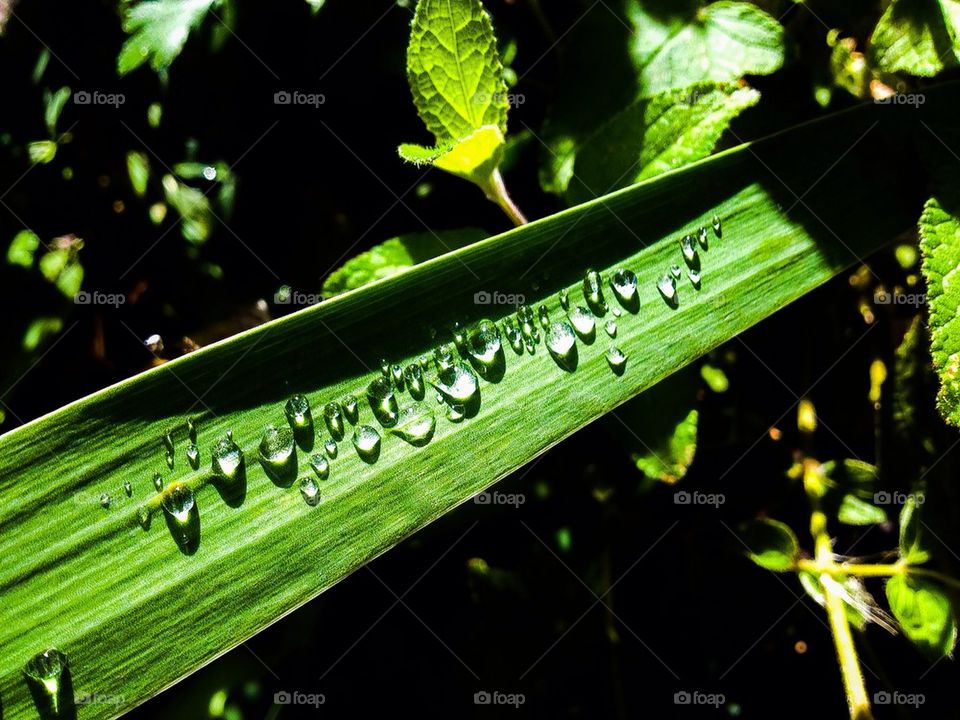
(925, 614)
(919, 37)
(474, 158)
(39, 330)
(193, 207)
(42, 152)
(158, 30)
(52, 107)
(680, 43)
(715, 378)
(652, 136)
(397, 255)
(138, 168)
(912, 550)
(854, 511)
(116, 598)
(940, 244)
(23, 249)
(772, 544)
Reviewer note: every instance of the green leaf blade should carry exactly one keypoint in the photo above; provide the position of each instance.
(925, 614)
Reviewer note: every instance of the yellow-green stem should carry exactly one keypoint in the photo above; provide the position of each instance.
(497, 192)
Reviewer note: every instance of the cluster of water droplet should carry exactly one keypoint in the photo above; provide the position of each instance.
(690, 245)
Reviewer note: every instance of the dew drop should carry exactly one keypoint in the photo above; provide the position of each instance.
(168, 441)
(158, 482)
(456, 413)
(385, 368)
(544, 315)
(298, 414)
(716, 226)
(397, 373)
(689, 247)
(170, 460)
(593, 292)
(383, 402)
(562, 344)
(330, 447)
(191, 430)
(277, 452)
(320, 466)
(351, 409)
(366, 440)
(178, 502)
(416, 425)
(457, 385)
(611, 328)
(694, 276)
(48, 677)
(668, 289)
(226, 459)
(459, 336)
(531, 336)
(309, 491)
(414, 377)
(442, 357)
(564, 299)
(104, 501)
(702, 238)
(616, 360)
(424, 363)
(143, 517)
(624, 284)
(583, 322)
(333, 418)
(127, 488)
(193, 456)
(484, 342)
(616, 311)
(183, 519)
(675, 271)
(514, 336)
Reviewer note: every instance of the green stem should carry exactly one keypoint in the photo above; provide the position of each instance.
(841, 570)
(497, 191)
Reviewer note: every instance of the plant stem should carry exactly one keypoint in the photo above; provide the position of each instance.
(497, 191)
(840, 570)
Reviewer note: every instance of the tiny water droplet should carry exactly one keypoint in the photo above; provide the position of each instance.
(143, 517)
(276, 450)
(593, 292)
(531, 336)
(583, 322)
(616, 311)
(716, 226)
(104, 501)
(544, 316)
(309, 491)
(330, 447)
(414, 377)
(191, 430)
(611, 328)
(702, 238)
(457, 385)
(168, 441)
(688, 245)
(383, 402)
(366, 440)
(424, 363)
(514, 336)
(178, 502)
(351, 408)
(675, 271)
(562, 344)
(668, 289)
(617, 360)
(565, 299)
(127, 488)
(48, 676)
(459, 336)
(385, 368)
(416, 425)
(694, 276)
(397, 373)
(158, 482)
(193, 456)
(333, 417)
(320, 466)
(226, 458)
(624, 284)
(456, 413)
(170, 460)
(298, 413)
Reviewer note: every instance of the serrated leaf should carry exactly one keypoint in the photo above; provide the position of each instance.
(396, 255)
(925, 614)
(454, 69)
(772, 544)
(918, 37)
(854, 511)
(912, 550)
(158, 30)
(940, 244)
(678, 44)
(655, 135)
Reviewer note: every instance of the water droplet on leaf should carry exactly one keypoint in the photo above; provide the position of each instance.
(562, 344)
(333, 417)
(309, 491)
(320, 466)
(193, 456)
(383, 402)
(416, 425)
(583, 322)
(48, 677)
(366, 440)
(616, 360)
(330, 447)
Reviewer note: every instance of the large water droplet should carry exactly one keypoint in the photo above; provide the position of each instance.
(183, 518)
(48, 677)
(689, 248)
(416, 425)
(624, 284)
(178, 501)
(593, 292)
(583, 322)
(414, 377)
(309, 491)
(320, 466)
(484, 350)
(299, 415)
(367, 442)
(330, 447)
(226, 459)
(351, 409)
(458, 385)
(277, 454)
(717, 228)
(383, 402)
(668, 289)
(333, 417)
(193, 456)
(616, 360)
(442, 357)
(562, 344)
